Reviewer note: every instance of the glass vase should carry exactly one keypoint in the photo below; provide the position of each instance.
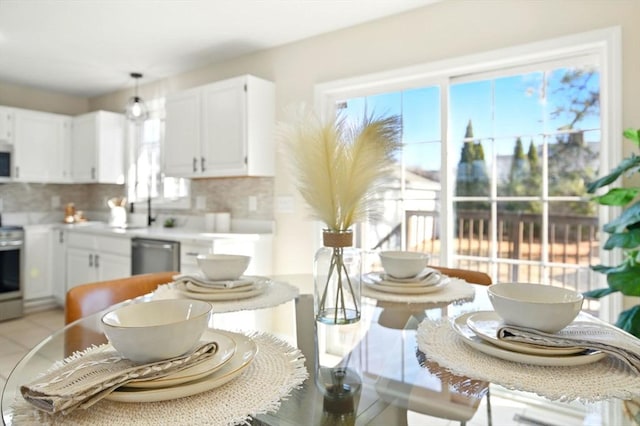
(337, 274)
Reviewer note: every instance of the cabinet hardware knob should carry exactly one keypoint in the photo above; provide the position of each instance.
(202, 164)
(96, 261)
(195, 164)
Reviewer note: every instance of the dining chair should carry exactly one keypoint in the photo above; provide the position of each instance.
(87, 299)
(473, 277)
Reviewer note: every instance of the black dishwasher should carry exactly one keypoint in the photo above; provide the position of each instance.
(150, 255)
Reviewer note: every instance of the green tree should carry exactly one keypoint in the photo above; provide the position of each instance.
(571, 160)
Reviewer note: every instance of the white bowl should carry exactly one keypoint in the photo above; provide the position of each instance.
(153, 331)
(538, 306)
(403, 264)
(217, 267)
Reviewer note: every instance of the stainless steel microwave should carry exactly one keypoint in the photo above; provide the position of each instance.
(6, 161)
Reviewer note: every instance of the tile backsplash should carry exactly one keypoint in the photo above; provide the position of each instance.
(222, 194)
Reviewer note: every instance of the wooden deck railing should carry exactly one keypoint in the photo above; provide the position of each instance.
(573, 240)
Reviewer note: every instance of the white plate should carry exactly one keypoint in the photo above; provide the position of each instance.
(486, 324)
(197, 288)
(222, 295)
(418, 279)
(404, 289)
(246, 350)
(226, 349)
(384, 279)
(460, 326)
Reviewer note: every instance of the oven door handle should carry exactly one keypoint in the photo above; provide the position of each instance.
(10, 245)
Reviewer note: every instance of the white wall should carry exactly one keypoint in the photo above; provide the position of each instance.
(443, 30)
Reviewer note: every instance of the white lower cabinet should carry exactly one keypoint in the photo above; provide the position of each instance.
(37, 277)
(93, 258)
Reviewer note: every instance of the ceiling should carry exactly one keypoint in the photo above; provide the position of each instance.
(88, 48)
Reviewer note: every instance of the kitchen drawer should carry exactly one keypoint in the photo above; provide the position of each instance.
(80, 240)
(103, 244)
(115, 245)
(189, 251)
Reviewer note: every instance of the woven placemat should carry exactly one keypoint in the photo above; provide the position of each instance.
(456, 290)
(277, 294)
(276, 370)
(605, 379)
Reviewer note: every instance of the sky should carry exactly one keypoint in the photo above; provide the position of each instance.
(502, 108)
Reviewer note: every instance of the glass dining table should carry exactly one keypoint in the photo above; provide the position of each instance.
(369, 372)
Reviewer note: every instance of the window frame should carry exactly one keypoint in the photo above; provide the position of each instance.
(156, 111)
(605, 44)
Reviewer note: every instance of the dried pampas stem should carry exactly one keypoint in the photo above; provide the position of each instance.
(339, 165)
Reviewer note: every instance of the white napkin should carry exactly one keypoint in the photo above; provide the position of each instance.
(86, 378)
(201, 280)
(587, 332)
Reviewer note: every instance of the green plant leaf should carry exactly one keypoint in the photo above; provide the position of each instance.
(608, 269)
(628, 217)
(617, 196)
(627, 280)
(632, 135)
(627, 164)
(598, 293)
(629, 320)
(625, 240)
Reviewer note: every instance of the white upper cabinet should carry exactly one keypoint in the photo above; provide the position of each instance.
(182, 134)
(221, 129)
(97, 148)
(41, 144)
(6, 125)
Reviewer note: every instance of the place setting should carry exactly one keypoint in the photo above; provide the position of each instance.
(406, 278)
(221, 280)
(536, 339)
(162, 351)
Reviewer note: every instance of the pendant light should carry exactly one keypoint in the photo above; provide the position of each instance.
(136, 108)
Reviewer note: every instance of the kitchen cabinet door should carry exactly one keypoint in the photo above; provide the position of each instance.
(182, 156)
(41, 146)
(58, 243)
(80, 267)
(37, 277)
(97, 148)
(111, 267)
(6, 125)
(224, 129)
(238, 127)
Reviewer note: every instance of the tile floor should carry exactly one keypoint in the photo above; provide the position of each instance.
(19, 335)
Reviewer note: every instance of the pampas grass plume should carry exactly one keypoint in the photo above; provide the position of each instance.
(339, 165)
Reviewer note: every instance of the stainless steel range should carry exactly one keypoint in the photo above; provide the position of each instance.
(11, 266)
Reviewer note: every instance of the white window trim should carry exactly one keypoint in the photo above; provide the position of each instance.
(156, 110)
(603, 43)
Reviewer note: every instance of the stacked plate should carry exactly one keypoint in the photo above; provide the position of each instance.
(196, 286)
(428, 281)
(480, 330)
(235, 353)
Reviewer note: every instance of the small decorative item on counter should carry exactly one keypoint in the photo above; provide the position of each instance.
(79, 216)
(170, 222)
(69, 213)
(339, 165)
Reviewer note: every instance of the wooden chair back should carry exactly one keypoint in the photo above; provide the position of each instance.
(472, 277)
